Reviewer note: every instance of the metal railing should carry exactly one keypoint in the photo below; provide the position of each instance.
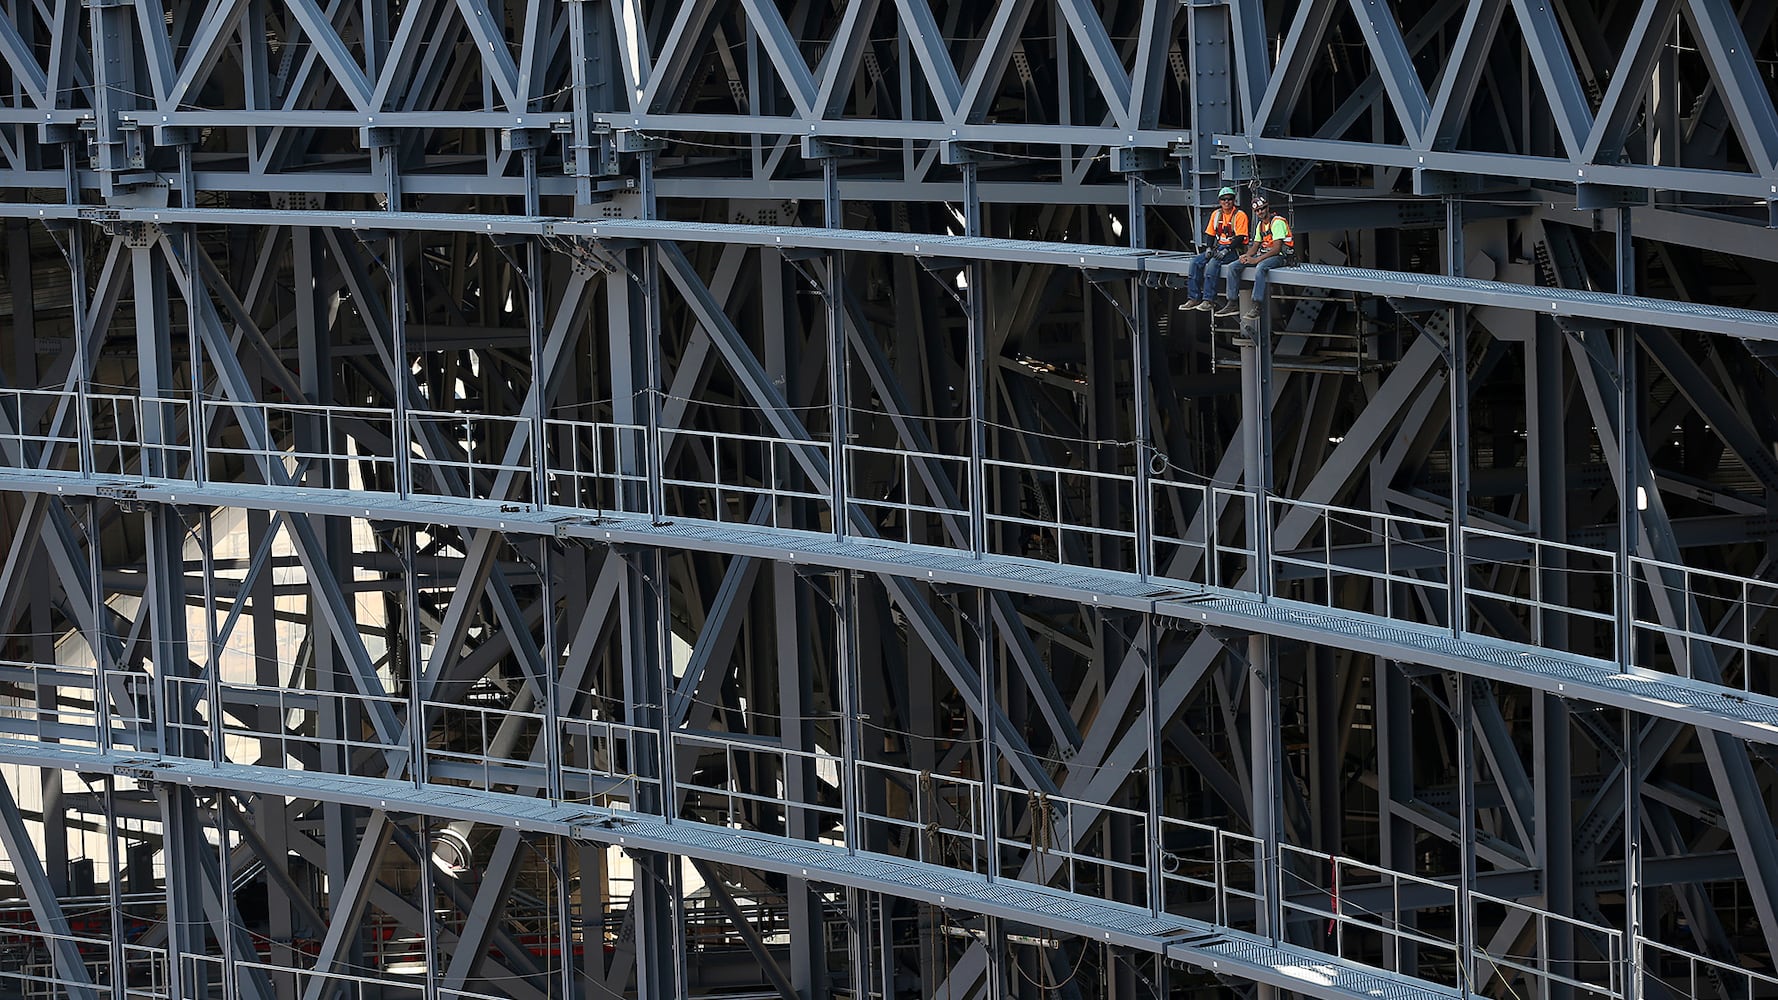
(143, 437)
(1202, 533)
(900, 501)
(742, 470)
(1601, 976)
(1205, 866)
(1685, 618)
(1048, 511)
(1667, 973)
(131, 709)
(1397, 565)
(1518, 582)
(1069, 844)
(1331, 891)
(751, 787)
(316, 447)
(938, 817)
(36, 424)
(40, 701)
(596, 466)
(288, 981)
(147, 973)
(478, 451)
(486, 747)
(33, 972)
(609, 763)
(291, 728)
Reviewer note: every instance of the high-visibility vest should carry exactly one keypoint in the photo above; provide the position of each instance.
(1225, 226)
(1266, 238)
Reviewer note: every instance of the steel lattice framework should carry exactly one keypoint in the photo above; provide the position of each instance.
(609, 498)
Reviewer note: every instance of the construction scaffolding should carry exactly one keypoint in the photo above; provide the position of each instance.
(623, 498)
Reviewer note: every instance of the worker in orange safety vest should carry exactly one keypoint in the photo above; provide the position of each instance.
(1227, 232)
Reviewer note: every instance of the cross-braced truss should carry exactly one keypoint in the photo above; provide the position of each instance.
(617, 498)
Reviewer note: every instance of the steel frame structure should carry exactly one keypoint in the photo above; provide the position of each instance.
(615, 498)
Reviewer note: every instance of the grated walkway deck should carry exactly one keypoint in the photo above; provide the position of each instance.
(1227, 952)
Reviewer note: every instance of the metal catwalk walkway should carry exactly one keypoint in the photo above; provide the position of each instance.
(1709, 706)
(1603, 307)
(1207, 946)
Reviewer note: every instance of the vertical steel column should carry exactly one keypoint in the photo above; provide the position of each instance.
(858, 941)
(154, 351)
(114, 889)
(1141, 358)
(1213, 61)
(83, 365)
(195, 296)
(977, 364)
(1157, 728)
(182, 837)
(1554, 834)
(428, 904)
(1256, 427)
(552, 669)
(1632, 752)
(416, 680)
(401, 376)
(1630, 505)
(653, 385)
(587, 52)
(163, 540)
(647, 671)
(1264, 710)
(851, 717)
(990, 749)
(1630, 495)
(95, 597)
(117, 156)
(794, 681)
(1457, 365)
(1466, 945)
(1457, 362)
(1552, 738)
(563, 846)
(838, 358)
(994, 941)
(272, 814)
(535, 306)
(225, 889)
(212, 666)
(1267, 751)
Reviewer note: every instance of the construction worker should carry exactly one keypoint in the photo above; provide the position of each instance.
(1274, 247)
(1227, 232)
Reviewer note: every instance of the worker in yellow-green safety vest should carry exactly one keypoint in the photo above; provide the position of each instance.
(1274, 245)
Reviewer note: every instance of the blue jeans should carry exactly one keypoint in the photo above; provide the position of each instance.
(1232, 274)
(1204, 276)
